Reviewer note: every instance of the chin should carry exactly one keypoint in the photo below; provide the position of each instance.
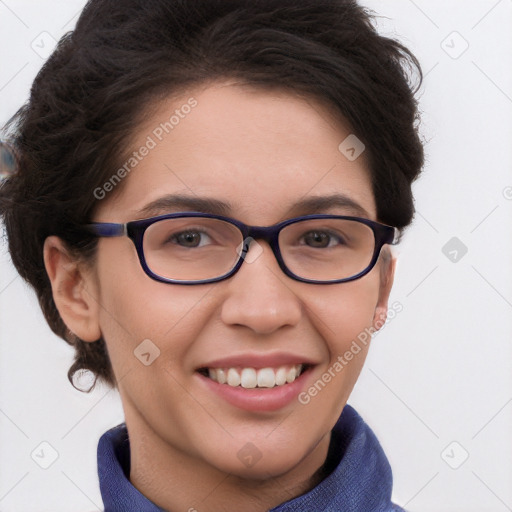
(254, 461)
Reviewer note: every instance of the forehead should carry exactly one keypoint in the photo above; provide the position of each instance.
(261, 152)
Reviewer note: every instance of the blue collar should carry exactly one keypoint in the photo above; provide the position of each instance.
(359, 476)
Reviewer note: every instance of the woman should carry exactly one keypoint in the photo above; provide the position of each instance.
(212, 189)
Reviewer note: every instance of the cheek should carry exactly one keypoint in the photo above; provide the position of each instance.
(342, 312)
(139, 315)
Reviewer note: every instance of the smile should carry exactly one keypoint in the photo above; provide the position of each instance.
(250, 378)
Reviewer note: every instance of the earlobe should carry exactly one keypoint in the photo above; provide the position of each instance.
(387, 274)
(73, 290)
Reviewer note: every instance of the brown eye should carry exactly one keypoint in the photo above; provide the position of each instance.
(321, 239)
(317, 239)
(190, 239)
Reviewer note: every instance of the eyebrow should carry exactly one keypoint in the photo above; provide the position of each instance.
(305, 206)
(175, 203)
(324, 204)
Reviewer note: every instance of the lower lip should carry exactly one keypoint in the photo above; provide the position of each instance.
(258, 399)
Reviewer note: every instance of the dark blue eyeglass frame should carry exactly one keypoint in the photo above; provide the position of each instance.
(135, 231)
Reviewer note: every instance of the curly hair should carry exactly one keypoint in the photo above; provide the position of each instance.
(95, 88)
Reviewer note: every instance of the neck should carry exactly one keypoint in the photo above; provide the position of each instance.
(178, 481)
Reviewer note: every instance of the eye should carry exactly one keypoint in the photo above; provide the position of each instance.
(321, 239)
(190, 238)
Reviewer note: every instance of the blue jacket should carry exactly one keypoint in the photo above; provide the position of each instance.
(359, 481)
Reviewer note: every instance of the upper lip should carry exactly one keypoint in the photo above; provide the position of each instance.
(255, 360)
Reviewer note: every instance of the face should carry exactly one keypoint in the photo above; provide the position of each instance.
(263, 154)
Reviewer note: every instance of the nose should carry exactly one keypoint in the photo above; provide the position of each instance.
(259, 296)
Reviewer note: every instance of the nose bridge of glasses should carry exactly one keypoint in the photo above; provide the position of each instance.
(267, 234)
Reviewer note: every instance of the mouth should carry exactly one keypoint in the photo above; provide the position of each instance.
(255, 378)
(259, 383)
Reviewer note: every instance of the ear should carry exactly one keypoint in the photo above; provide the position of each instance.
(387, 274)
(74, 290)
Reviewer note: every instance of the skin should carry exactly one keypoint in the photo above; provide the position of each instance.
(261, 151)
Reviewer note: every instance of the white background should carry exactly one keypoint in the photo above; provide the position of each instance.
(438, 382)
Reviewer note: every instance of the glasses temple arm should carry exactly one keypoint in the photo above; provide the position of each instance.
(106, 229)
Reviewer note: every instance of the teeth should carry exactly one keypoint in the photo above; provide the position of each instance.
(250, 378)
(281, 376)
(266, 378)
(221, 376)
(291, 374)
(233, 378)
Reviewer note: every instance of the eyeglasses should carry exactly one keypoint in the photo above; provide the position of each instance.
(199, 248)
